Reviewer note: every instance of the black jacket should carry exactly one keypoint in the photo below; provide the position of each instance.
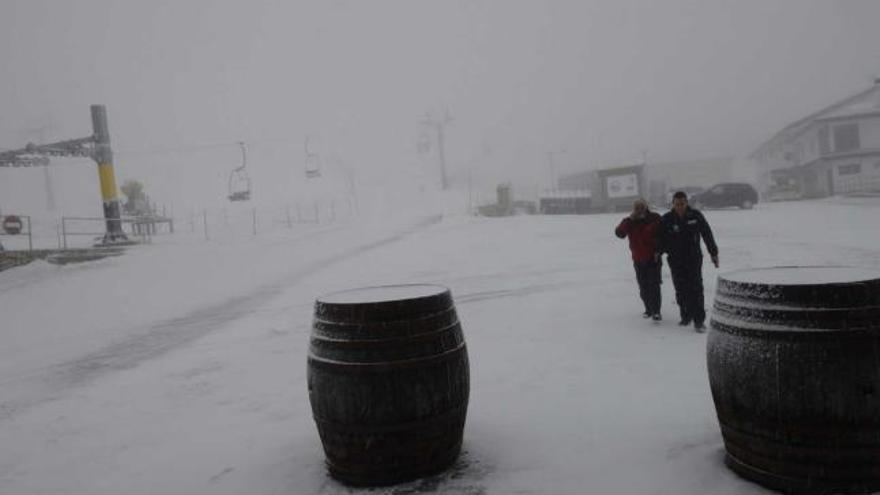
(679, 237)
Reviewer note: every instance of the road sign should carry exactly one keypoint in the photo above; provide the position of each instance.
(12, 224)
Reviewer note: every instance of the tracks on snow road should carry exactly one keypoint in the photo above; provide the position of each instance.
(47, 383)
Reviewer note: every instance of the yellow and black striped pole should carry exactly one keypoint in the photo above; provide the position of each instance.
(104, 157)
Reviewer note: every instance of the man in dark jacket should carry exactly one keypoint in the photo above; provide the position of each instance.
(679, 237)
(641, 227)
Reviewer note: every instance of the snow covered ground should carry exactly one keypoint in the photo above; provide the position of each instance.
(180, 367)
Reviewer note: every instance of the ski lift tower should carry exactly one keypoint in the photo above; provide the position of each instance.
(439, 126)
(103, 155)
(96, 147)
(313, 163)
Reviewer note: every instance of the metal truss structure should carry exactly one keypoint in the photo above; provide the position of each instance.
(38, 155)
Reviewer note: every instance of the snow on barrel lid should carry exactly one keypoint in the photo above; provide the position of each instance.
(384, 293)
(803, 275)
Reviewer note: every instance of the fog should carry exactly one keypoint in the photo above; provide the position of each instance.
(176, 363)
(607, 82)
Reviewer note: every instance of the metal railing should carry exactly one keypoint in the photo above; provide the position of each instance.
(857, 184)
(144, 235)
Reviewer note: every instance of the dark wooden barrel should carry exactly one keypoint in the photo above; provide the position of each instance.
(793, 356)
(389, 381)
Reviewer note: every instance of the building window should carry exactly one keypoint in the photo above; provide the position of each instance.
(851, 169)
(846, 137)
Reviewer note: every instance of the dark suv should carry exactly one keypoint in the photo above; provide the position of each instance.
(726, 194)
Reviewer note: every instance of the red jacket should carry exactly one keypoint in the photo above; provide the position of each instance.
(642, 235)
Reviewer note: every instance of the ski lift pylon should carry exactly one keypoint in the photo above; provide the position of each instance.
(239, 181)
(423, 145)
(313, 163)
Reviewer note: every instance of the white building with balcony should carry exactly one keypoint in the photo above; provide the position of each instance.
(833, 151)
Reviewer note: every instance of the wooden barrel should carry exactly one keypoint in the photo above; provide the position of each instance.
(793, 356)
(389, 381)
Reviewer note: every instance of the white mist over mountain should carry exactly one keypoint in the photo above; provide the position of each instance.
(608, 83)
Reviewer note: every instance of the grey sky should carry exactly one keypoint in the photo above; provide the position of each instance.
(604, 80)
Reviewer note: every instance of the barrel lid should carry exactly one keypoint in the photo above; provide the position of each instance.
(383, 303)
(801, 287)
(383, 293)
(803, 275)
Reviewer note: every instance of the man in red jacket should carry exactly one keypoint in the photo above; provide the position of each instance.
(641, 227)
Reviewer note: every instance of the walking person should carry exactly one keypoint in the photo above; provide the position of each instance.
(641, 226)
(679, 237)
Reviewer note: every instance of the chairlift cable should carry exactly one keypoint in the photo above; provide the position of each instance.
(194, 147)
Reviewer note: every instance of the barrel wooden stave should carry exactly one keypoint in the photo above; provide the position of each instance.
(796, 384)
(389, 386)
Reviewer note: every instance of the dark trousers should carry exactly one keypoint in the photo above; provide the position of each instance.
(687, 277)
(648, 276)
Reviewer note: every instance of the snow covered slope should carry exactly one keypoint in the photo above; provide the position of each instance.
(180, 367)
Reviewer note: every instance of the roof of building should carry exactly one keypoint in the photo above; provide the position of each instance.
(864, 102)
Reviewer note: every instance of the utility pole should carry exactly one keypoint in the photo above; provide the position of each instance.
(438, 125)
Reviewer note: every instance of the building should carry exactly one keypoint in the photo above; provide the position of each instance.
(615, 188)
(596, 191)
(833, 151)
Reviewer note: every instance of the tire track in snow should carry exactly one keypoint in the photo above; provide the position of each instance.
(518, 291)
(48, 383)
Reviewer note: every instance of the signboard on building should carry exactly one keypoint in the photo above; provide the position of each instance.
(621, 186)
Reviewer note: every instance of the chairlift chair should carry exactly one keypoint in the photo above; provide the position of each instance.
(239, 181)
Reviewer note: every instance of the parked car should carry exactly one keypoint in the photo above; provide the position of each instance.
(726, 194)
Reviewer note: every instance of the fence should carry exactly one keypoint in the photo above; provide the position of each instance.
(862, 183)
(252, 221)
(70, 227)
(69, 232)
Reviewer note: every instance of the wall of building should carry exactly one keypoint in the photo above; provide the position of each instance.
(858, 174)
(869, 132)
(771, 157)
(813, 148)
(806, 147)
